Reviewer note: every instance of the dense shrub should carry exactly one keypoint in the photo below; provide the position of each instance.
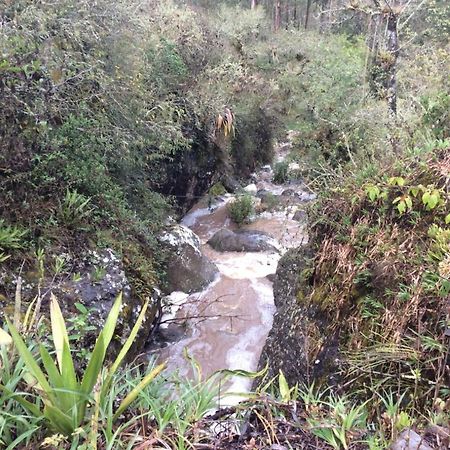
(280, 172)
(241, 208)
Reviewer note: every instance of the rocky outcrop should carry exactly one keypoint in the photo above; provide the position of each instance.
(93, 279)
(188, 270)
(242, 241)
(297, 344)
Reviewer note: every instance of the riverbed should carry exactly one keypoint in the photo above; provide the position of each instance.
(226, 324)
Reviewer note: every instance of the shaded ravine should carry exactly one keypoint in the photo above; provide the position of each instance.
(226, 324)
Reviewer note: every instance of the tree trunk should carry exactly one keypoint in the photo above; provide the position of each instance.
(277, 16)
(253, 5)
(392, 47)
(308, 8)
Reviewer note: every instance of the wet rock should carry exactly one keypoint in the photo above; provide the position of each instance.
(230, 183)
(96, 278)
(271, 277)
(165, 336)
(242, 241)
(251, 189)
(263, 194)
(410, 440)
(298, 330)
(307, 196)
(102, 278)
(300, 216)
(288, 193)
(188, 270)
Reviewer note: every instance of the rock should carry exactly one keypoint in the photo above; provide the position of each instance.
(100, 278)
(271, 277)
(298, 329)
(242, 241)
(288, 193)
(188, 270)
(165, 336)
(410, 440)
(251, 189)
(267, 168)
(300, 216)
(263, 194)
(307, 196)
(230, 183)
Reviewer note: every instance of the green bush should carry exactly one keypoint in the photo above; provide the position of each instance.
(241, 208)
(74, 209)
(67, 398)
(281, 172)
(11, 236)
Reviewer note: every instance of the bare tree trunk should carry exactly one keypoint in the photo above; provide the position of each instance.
(253, 5)
(288, 14)
(392, 47)
(277, 16)
(308, 8)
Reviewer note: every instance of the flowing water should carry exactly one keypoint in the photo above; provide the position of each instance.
(227, 323)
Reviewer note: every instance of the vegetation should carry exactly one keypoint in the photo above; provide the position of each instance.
(241, 208)
(118, 115)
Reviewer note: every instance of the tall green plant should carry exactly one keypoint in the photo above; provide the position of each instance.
(65, 397)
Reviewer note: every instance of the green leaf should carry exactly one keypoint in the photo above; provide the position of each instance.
(434, 200)
(426, 198)
(59, 331)
(126, 346)
(401, 207)
(373, 192)
(131, 397)
(284, 387)
(242, 373)
(447, 219)
(53, 374)
(25, 403)
(408, 202)
(59, 420)
(399, 181)
(29, 360)
(66, 366)
(98, 355)
(414, 191)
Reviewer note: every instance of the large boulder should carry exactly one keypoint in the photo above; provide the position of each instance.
(188, 270)
(94, 280)
(297, 344)
(242, 241)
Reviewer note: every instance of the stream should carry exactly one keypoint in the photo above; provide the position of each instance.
(226, 325)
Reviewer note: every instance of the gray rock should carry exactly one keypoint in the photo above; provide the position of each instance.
(410, 440)
(242, 241)
(230, 183)
(251, 189)
(188, 270)
(101, 278)
(300, 216)
(263, 194)
(297, 328)
(288, 193)
(307, 196)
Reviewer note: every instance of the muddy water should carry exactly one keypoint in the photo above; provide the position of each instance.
(228, 323)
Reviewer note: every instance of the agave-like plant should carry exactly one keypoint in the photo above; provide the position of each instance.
(65, 397)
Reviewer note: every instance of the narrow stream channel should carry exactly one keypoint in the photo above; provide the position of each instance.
(228, 322)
